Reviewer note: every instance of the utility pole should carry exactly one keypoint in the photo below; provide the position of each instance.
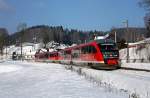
(21, 28)
(21, 40)
(34, 41)
(127, 40)
(6, 51)
(115, 37)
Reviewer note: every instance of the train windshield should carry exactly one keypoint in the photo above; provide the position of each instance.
(109, 50)
(107, 46)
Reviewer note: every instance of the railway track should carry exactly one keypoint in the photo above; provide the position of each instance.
(134, 69)
(124, 72)
(122, 68)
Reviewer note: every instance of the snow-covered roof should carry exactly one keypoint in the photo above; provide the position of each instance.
(28, 44)
(147, 40)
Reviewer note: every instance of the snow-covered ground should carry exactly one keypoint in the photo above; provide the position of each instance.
(139, 55)
(139, 52)
(141, 66)
(29, 49)
(136, 54)
(41, 80)
(136, 83)
(10, 68)
(28, 79)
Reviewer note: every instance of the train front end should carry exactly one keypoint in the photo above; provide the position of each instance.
(110, 54)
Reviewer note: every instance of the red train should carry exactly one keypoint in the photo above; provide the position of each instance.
(100, 54)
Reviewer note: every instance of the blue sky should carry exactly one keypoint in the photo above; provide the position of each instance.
(75, 14)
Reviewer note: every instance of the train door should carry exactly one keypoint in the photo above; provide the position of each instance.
(88, 53)
(76, 54)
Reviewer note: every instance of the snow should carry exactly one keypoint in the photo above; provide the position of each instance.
(139, 55)
(147, 40)
(134, 82)
(136, 54)
(29, 49)
(10, 68)
(41, 80)
(36, 80)
(101, 37)
(139, 59)
(28, 79)
(144, 66)
(55, 46)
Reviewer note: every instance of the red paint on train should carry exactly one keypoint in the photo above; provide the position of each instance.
(96, 53)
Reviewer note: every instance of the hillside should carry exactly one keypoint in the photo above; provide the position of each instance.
(43, 33)
(134, 34)
(3, 31)
(3, 38)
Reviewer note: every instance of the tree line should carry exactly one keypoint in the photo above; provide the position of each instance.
(44, 33)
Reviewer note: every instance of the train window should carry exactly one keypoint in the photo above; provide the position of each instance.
(56, 54)
(84, 50)
(92, 49)
(107, 46)
(76, 53)
(61, 53)
(68, 52)
(88, 49)
(51, 55)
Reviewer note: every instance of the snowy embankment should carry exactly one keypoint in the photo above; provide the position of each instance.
(5, 69)
(138, 59)
(139, 55)
(140, 66)
(137, 84)
(42, 80)
(8, 68)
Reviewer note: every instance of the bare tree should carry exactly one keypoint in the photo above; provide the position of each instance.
(145, 4)
(3, 39)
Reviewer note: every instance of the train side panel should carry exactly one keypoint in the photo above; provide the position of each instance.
(93, 54)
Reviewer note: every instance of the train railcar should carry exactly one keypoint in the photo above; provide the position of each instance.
(100, 54)
(41, 54)
(54, 56)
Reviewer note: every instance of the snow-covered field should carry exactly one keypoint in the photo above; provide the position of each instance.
(40, 80)
(10, 68)
(136, 83)
(35, 80)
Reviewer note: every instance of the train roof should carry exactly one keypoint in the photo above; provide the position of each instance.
(101, 41)
(53, 52)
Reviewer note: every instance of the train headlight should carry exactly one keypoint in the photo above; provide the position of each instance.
(105, 55)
